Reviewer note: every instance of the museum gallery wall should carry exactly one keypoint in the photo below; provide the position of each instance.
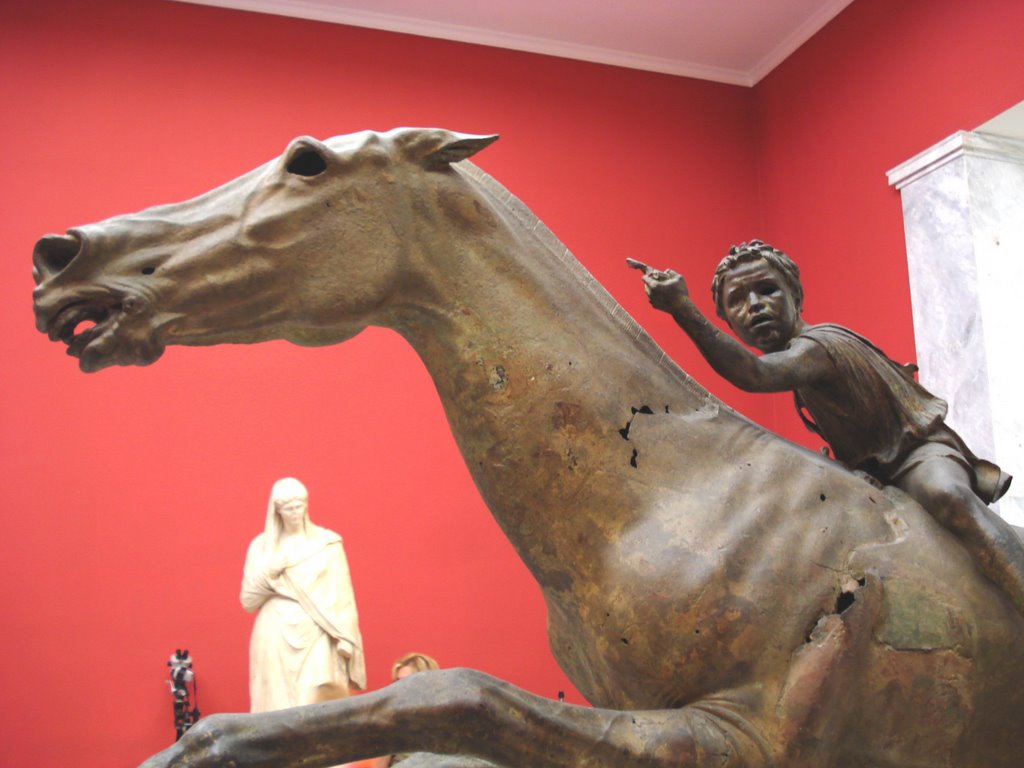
(131, 495)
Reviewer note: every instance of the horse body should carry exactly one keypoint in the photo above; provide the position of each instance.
(743, 601)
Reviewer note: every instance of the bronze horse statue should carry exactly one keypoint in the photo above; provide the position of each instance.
(721, 596)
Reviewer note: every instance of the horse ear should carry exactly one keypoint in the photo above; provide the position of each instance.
(462, 146)
(437, 149)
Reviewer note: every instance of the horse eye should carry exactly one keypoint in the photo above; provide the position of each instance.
(307, 162)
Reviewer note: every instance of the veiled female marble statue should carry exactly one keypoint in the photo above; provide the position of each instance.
(305, 645)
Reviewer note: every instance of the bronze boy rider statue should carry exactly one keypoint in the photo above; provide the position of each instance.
(877, 419)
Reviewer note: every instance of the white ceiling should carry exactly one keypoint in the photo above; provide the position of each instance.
(728, 41)
(1009, 124)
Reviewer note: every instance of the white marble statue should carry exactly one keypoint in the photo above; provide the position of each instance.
(305, 645)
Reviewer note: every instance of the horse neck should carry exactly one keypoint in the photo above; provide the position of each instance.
(518, 287)
(537, 366)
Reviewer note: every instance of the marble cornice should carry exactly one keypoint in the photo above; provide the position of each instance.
(960, 144)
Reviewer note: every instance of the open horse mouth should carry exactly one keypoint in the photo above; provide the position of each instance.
(95, 332)
(78, 324)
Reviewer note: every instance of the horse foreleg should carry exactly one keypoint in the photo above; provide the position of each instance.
(429, 760)
(468, 713)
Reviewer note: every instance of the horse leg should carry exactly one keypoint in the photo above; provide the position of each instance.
(468, 713)
(429, 760)
(470, 720)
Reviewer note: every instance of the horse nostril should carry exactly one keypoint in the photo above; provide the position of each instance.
(52, 254)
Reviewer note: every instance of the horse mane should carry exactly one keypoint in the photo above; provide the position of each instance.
(642, 340)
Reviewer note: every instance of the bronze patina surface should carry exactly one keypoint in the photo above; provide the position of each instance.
(721, 596)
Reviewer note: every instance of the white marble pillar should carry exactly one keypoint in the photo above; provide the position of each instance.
(963, 209)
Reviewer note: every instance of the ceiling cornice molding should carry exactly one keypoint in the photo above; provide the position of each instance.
(315, 11)
(798, 37)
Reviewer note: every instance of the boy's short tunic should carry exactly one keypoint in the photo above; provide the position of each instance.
(878, 419)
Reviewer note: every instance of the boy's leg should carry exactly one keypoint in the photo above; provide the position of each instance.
(942, 485)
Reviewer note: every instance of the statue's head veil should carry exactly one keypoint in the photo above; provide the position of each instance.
(285, 489)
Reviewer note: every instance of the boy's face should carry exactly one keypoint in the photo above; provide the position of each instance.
(759, 306)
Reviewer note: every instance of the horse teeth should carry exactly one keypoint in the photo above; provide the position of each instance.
(67, 322)
(64, 324)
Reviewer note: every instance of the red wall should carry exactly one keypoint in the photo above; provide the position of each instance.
(884, 81)
(132, 494)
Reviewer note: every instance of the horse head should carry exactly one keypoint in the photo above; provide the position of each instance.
(307, 247)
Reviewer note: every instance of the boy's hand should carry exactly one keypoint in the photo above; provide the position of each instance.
(667, 290)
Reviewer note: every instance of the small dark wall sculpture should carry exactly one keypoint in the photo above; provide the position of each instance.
(721, 596)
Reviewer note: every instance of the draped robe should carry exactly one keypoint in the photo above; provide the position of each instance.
(306, 634)
(876, 416)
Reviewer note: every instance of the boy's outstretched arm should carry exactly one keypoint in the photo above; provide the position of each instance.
(802, 362)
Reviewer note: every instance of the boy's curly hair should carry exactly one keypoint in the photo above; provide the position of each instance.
(752, 251)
